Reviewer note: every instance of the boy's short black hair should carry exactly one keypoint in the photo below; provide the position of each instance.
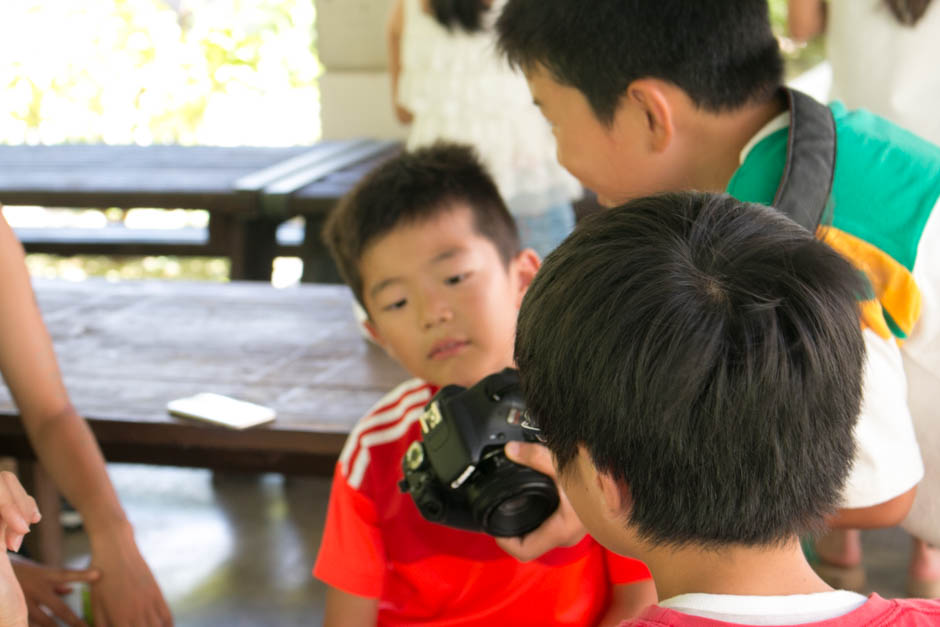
(412, 187)
(706, 352)
(722, 53)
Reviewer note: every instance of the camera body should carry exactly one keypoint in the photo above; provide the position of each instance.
(458, 474)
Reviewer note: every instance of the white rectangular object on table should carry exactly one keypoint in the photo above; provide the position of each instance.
(221, 410)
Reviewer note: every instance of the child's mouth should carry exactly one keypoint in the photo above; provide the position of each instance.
(447, 348)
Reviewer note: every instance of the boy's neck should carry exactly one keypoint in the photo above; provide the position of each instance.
(717, 140)
(740, 570)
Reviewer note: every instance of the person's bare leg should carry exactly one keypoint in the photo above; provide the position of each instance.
(840, 559)
(840, 547)
(924, 571)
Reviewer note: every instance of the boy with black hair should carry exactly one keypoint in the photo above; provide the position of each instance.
(695, 365)
(431, 253)
(650, 96)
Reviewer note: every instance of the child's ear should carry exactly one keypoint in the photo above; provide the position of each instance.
(651, 99)
(376, 336)
(524, 266)
(615, 494)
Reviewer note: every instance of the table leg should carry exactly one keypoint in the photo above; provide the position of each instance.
(45, 541)
(318, 265)
(250, 244)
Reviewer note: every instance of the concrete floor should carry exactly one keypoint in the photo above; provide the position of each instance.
(227, 549)
(237, 550)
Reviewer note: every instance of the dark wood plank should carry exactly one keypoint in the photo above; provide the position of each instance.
(169, 176)
(321, 195)
(126, 349)
(248, 191)
(322, 152)
(276, 199)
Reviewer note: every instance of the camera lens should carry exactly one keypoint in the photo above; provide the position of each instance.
(508, 499)
(520, 514)
(512, 506)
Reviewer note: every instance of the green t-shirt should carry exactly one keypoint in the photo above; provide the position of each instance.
(885, 186)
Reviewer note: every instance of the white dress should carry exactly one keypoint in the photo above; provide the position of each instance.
(460, 89)
(885, 67)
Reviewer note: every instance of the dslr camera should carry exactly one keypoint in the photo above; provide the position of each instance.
(458, 474)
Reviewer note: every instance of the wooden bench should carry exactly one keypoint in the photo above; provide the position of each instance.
(126, 349)
(243, 188)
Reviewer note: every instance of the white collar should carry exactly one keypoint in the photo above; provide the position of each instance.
(779, 122)
(767, 610)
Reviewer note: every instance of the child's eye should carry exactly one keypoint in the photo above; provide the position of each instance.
(398, 304)
(457, 278)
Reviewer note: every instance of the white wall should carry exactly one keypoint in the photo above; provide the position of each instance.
(354, 91)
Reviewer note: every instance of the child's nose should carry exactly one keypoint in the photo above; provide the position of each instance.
(436, 310)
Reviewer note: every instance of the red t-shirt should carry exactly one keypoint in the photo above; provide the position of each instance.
(874, 613)
(377, 545)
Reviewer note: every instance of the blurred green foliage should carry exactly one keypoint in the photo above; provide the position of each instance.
(143, 71)
(126, 268)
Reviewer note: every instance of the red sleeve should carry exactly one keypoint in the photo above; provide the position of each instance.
(623, 570)
(352, 555)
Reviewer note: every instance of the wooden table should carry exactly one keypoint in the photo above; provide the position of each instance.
(126, 349)
(245, 189)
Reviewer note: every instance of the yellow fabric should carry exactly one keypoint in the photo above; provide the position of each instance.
(893, 284)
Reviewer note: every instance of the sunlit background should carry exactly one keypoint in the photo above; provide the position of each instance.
(214, 72)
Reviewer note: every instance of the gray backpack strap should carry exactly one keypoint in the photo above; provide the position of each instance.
(806, 183)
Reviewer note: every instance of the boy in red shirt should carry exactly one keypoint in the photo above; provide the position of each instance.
(694, 364)
(429, 249)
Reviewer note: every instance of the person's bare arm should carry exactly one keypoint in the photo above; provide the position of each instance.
(126, 592)
(349, 610)
(887, 514)
(628, 601)
(806, 18)
(393, 29)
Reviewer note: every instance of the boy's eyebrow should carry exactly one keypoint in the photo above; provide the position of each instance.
(447, 254)
(381, 285)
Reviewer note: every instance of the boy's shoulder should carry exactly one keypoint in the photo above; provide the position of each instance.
(387, 422)
(875, 611)
(910, 612)
(873, 154)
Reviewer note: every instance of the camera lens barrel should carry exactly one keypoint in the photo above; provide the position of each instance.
(509, 500)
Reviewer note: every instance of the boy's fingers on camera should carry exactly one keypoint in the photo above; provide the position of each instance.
(532, 455)
(563, 528)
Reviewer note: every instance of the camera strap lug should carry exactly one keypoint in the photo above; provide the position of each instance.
(459, 481)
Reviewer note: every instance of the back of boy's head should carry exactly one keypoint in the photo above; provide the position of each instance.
(708, 354)
(408, 189)
(722, 53)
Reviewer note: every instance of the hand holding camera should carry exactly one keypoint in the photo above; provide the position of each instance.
(562, 528)
(458, 474)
